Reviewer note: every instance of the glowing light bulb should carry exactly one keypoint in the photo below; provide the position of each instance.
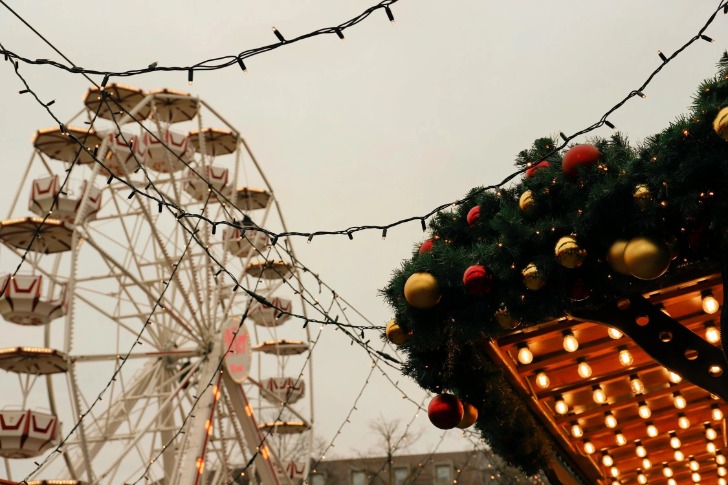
(641, 478)
(589, 447)
(695, 476)
(614, 471)
(679, 455)
(722, 481)
(674, 378)
(525, 356)
(721, 471)
(720, 458)
(710, 433)
(671, 481)
(694, 465)
(625, 357)
(542, 380)
(646, 463)
(560, 406)
(683, 421)
(614, 333)
(636, 384)
(652, 430)
(640, 450)
(584, 369)
(607, 459)
(576, 430)
(710, 447)
(674, 441)
(609, 420)
(678, 400)
(712, 334)
(598, 394)
(620, 438)
(644, 410)
(570, 342)
(716, 413)
(666, 470)
(710, 304)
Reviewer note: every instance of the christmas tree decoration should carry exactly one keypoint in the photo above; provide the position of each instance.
(422, 290)
(527, 203)
(535, 168)
(720, 123)
(579, 156)
(426, 247)
(473, 215)
(396, 334)
(470, 416)
(579, 291)
(642, 195)
(568, 253)
(445, 411)
(532, 277)
(504, 318)
(646, 259)
(477, 280)
(615, 256)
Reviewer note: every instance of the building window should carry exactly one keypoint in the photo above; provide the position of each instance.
(443, 473)
(400, 475)
(318, 479)
(358, 478)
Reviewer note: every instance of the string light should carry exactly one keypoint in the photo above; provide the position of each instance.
(583, 368)
(639, 449)
(643, 410)
(712, 334)
(678, 455)
(710, 447)
(641, 478)
(710, 433)
(576, 430)
(610, 421)
(674, 378)
(693, 464)
(614, 333)
(589, 447)
(666, 470)
(651, 429)
(560, 405)
(720, 458)
(625, 357)
(607, 459)
(542, 380)
(646, 463)
(570, 342)
(682, 421)
(525, 356)
(636, 384)
(710, 304)
(678, 400)
(715, 412)
(620, 438)
(695, 476)
(598, 394)
(674, 440)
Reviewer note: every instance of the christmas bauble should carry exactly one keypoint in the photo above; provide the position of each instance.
(720, 123)
(568, 253)
(527, 203)
(532, 277)
(426, 246)
(396, 334)
(646, 258)
(615, 256)
(642, 195)
(579, 291)
(473, 215)
(532, 171)
(445, 411)
(477, 280)
(579, 156)
(504, 318)
(470, 416)
(422, 291)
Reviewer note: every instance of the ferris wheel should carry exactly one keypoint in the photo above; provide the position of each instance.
(111, 270)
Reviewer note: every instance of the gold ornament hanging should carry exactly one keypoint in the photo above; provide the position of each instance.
(470, 416)
(720, 123)
(568, 253)
(532, 277)
(422, 290)
(615, 256)
(396, 334)
(642, 195)
(504, 318)
(646, 259)
(527, 203)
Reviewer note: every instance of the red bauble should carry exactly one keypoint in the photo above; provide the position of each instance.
(532, 171)
(445, 411)
(426, 246)
(579, 156)
(473, 215)
(477, 280)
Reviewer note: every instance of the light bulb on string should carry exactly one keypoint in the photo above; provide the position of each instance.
(542, 380)
(646, 463)
(710, 432)
(678, 455)
(525, 356)
(710, 304)
(639, 449)
(610, 421)
(643, 410)
(589, 447)
(683, 421)
(679, 400)
(695, 477)
(614, 471)
(619, 438)
(625, 357)
(716, 413)
(607, 459)
(674, 440)
(712, 334)
(721, 471)
(598, 394)
(710, 447)
(560, 405)
(641, 478)
(576, 430)
(673, 377)
(666, 470)
(636, 384)
(614, 333)
(693, 464)
(651, 429)
(722, 481)
(584, 369)
(720, 458)
(571, 344)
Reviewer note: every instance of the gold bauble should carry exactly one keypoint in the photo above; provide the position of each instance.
(504, 318)
(470, 416)
(422, 291)
(646, 258)
(720, 123)
(568, 253)
(396, 334)
(615, 256)
(642, 195)
(532, 277)
(527, 203)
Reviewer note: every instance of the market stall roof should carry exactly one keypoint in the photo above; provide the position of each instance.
(616, 415)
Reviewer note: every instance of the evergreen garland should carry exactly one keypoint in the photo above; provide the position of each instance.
(680, 176)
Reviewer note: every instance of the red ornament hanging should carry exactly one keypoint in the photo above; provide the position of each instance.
(426, 246)
(477, 280)
(445, 411)
(473, 215)
(532, 171)
(579, 156)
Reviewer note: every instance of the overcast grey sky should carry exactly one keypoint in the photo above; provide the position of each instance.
(387, 124)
